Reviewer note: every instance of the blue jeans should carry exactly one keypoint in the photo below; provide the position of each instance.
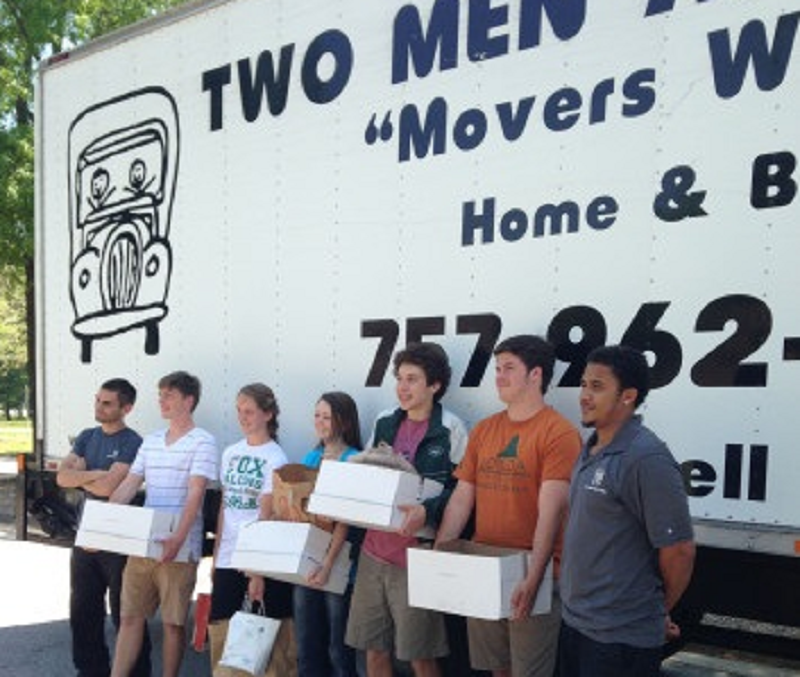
(320, 620)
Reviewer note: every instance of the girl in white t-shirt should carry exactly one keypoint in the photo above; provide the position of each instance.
(246, 479)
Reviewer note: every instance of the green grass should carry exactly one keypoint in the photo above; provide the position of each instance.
(15, 437)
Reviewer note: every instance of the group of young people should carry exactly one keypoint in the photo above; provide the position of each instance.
(610, 514)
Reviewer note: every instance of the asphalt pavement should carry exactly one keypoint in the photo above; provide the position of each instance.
(34, 611)
(35, 638)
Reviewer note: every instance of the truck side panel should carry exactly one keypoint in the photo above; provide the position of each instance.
(288, 192)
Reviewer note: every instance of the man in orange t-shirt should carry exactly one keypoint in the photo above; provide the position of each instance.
(515, 474)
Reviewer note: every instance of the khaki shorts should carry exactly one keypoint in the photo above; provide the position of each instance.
(528, 647)
(148, 584)
(381, 619)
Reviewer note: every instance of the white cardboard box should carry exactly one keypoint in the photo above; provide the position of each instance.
(289, 551)
(127, 529)
(368, 495)
(472, 579)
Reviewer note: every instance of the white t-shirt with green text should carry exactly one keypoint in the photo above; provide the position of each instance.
(245, 475)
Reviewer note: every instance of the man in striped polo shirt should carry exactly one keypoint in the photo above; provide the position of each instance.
(177, 464)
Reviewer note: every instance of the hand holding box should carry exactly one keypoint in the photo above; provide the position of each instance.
(127, 529)
(369, 496)
(289, 551)
(472, 579)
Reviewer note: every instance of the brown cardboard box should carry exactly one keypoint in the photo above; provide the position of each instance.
(292, 484)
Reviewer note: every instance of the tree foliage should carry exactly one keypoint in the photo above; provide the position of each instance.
(98, 17)
(13, 356)
(30, 31)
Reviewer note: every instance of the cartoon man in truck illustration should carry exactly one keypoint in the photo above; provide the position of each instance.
(123, 163)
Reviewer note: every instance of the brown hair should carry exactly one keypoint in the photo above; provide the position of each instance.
(186, 384)
(344, 416)
(265, 400)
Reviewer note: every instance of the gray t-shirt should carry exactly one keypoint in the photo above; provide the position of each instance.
(101, 451)
(626, 502)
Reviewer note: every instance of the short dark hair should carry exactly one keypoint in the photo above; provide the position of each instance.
(432, 359)
(344, 417)
(534, 351)
(182, 381)
(628, 365)
(265, 400)
(126, 393)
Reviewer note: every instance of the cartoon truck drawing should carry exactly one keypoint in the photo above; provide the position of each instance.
(123, 166)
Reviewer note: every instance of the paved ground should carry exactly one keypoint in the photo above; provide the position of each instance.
(34, 601)
(34, 632)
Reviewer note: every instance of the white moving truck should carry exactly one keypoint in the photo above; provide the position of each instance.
(291, 191)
